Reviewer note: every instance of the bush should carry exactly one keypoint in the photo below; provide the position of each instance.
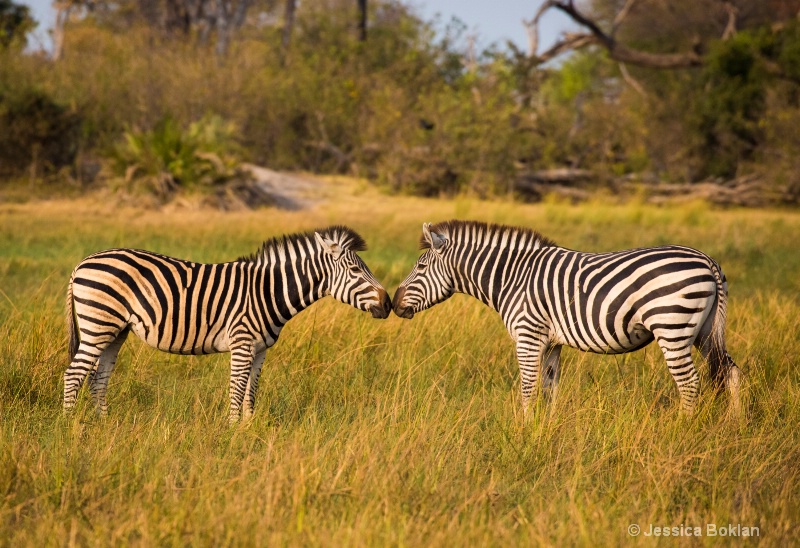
(36, 133)
(169, 158)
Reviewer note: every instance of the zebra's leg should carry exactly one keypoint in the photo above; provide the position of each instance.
(252, 384)
(677, 349)
(98, 379)
(242, 356)
(552, 370)
(529, 353)
(83, 364)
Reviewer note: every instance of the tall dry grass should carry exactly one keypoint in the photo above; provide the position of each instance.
(392, 432)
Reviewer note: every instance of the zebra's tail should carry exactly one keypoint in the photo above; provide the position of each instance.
(723, 369)
(72, 326)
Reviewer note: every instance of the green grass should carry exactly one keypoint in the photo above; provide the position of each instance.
(392, 432)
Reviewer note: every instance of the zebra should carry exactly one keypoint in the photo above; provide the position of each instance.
(184, 307)
(608, 303)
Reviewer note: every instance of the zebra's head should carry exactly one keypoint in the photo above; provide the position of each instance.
(431, 280)
(349, 279)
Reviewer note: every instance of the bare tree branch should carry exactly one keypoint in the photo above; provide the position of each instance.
(730, 27)
(532, 30)
(532, 27)
(621, 16)
(631, 80)
(570, 41)
(596, 36)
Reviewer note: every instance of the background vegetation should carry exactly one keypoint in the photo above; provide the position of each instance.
(409, 108)
(392, 432)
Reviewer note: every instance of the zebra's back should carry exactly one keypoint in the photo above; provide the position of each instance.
(174, 305)
(614, 302)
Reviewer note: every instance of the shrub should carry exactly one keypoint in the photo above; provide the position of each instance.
(36, 132)
(169, 158)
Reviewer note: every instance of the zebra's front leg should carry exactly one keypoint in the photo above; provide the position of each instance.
(252, 384)
(529, 353)
(552, 371)
(242, 357)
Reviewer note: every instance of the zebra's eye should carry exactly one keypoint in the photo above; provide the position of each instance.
(422, 266)
(355, 269)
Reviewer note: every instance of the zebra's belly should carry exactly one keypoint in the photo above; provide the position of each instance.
(635, 338)
(195, 342)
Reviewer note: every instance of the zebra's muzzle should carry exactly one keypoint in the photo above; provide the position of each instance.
(381, 311)
(402, 311)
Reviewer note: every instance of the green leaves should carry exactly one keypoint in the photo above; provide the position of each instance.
(168, 157)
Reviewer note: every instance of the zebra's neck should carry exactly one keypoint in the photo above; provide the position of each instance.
(291, 278)
(493, 269)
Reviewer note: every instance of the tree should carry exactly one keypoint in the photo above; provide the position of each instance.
(288, 24)
(362, 20)
(705, 19)
(15, 23)
(175, 18)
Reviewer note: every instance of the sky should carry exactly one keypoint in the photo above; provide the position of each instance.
(491, 21)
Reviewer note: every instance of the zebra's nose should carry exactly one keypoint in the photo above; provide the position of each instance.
(382, 310)
(398, 297)
(399, 309)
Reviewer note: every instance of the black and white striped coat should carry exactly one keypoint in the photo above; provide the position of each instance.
(184, 307)
(608, 303)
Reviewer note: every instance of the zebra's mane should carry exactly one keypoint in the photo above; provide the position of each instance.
(346, 237)
(455, 229)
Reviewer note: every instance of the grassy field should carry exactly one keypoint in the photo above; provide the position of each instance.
(393, 432)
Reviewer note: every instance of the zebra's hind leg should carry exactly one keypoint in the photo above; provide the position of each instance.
(552, 371)
(242, 357)
(677, 350)
(98, 379)
(252, 384)
(83, 363)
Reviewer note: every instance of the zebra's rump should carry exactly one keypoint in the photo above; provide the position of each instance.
(616, 302)
(173, 305)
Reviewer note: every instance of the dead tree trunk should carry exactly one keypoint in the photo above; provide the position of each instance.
(228, 20)
(288, 25)
(63, 10)
(362, 20)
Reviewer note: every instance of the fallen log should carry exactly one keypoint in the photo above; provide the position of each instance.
(561, 176)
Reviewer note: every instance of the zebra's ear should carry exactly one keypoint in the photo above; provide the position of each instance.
(435, 240)
(329, 246)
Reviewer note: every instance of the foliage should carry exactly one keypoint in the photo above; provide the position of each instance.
(36, 132)
(396, 432)
(168, 157)
(732, 105)
(410, 111)
(15, 23)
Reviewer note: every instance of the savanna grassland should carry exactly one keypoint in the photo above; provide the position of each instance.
(392, 432)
